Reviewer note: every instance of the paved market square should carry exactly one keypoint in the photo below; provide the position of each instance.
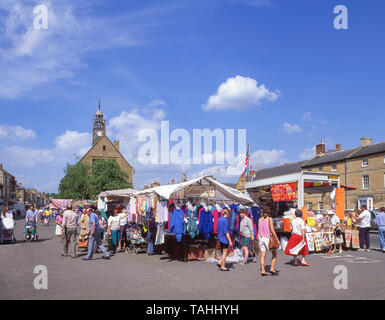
(157, 277)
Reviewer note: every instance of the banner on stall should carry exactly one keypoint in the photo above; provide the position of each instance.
(199, 192)
(340, 203)
(304, 214)
(318, 241)
(355, 239)
(284, 192)
(310, 241)
(348, 238)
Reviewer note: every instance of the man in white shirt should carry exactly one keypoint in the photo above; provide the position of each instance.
(364, 219)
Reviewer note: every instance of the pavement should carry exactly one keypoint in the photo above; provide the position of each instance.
(127, 276)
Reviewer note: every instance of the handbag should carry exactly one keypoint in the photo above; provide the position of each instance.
(273, 243)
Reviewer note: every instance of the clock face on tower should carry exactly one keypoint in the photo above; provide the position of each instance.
(99, 133)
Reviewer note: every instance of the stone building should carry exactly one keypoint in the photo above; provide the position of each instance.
(361, 168)
(103, 148)
(7, 188)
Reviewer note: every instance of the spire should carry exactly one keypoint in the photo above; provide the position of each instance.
(99, 104)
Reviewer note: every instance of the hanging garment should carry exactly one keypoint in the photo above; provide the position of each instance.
(206, 225)
(191, 227)
(133, 205)
(159, 239)
(162, 211)
(176, 223)
(232, 222)
(256, 211)
(216, 217)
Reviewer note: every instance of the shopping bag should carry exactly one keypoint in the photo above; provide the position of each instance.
(295, 250)
(284, 242)
(348, 238)
(273, 243)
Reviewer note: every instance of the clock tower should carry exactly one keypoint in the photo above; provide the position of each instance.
(99, 126)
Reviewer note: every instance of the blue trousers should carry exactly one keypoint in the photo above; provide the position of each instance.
(96, 239)
(381, 231)
(150, 245)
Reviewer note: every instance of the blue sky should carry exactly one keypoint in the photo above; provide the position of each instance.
(162, 60)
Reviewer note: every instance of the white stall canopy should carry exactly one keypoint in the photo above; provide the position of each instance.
(222, 192)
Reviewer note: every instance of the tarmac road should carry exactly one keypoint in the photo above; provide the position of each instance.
(157, 277)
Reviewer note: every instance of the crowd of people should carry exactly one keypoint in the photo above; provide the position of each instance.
(93, 228)
(267, 239)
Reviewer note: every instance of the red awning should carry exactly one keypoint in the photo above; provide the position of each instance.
(348, 188)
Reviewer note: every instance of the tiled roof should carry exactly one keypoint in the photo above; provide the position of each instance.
(286, 168)
(330, 157)
(346, 154)
(370, 149)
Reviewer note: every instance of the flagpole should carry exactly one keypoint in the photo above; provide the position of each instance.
(248, 162)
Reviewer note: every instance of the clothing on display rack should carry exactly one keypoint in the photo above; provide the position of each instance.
(159, 239)
(176, 223)
(191, 225)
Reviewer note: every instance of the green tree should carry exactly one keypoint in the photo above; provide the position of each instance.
(74, 184)
(106, 175)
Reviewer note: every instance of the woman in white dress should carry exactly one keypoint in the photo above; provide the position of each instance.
(59, 221)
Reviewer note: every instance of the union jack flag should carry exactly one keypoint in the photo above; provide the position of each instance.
(246, 164)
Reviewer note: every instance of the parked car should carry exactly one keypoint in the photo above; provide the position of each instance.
(320, 212)
(373, 225)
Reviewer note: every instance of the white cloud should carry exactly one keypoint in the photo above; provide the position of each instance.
(27, 157)
(307, 154)
(30, 58)
(309, 117)
(73, 143)
(291, 128)
(233, 171)
(16, 133)
(255, 3)
(128, 124)
(239, 93)
(156, 103)
(266, 157)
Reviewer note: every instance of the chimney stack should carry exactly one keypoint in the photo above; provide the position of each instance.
(173, 181)
(338, 147)
(184, 177)
(366, 141)
(117, 144)
(320, 149)
(155, 184)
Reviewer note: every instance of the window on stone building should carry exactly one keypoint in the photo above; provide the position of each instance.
(320, 205)
(365, 182)
(334, 167)
(310, 206)
(365, 162)
(320, 169)
(104, 148)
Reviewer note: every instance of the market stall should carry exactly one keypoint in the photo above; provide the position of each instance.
(325, 231)
(181, 217)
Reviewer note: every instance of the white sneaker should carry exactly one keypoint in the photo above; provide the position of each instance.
(367, 250)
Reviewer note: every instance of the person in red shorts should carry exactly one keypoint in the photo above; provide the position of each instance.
(297, 243)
